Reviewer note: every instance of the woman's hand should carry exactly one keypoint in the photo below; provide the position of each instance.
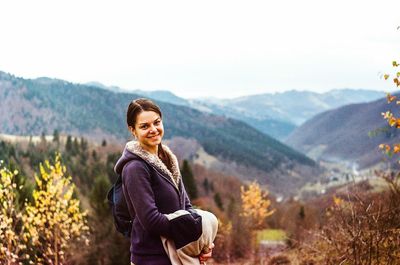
(205, 256)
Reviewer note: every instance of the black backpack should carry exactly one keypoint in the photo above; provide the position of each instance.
(119, 208)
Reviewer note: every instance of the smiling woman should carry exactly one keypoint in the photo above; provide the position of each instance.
(153, 189)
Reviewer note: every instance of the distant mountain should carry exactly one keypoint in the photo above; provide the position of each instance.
(111, 88)
(272, 126)
(161, 95)
(297, 106)
(351, 133)
(30, 107)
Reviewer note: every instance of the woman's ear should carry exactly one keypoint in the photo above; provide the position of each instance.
(132, 130)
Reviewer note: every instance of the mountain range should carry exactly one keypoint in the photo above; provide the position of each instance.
(36, 106)
(275, 114)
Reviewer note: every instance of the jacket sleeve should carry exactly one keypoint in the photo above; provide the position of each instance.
(186, 227)
(139, 193)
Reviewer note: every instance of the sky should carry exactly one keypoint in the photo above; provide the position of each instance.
(205, 48)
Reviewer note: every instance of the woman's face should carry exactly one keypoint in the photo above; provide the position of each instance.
(149, 130)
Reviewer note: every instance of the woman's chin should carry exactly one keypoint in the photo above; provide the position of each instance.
(155, 141)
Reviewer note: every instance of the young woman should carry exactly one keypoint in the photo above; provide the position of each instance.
(153, 188)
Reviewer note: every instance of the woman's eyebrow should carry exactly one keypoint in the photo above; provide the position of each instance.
(144, 123)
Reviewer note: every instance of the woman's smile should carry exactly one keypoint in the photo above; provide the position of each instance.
(153, 136)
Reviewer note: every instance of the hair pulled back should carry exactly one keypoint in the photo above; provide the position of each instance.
(136, 107)
(139, 105)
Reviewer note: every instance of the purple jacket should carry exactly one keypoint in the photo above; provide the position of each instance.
(151, 191)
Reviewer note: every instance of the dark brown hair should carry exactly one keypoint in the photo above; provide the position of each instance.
(136, 107)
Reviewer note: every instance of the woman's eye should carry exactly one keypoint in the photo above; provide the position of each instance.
(143, 127)
(157, 122)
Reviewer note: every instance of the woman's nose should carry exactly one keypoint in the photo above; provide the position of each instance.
(153, 128)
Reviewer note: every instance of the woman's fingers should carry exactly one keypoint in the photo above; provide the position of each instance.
(205, 256)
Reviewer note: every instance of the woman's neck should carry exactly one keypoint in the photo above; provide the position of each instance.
(151, 149)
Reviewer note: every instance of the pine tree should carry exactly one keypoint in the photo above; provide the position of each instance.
(188, 180)
(218, 201)
(97, 198)
(83, 144)
(206, 186)
(75, 146)
(94, 155)
(68, 144)
(56, 136)
(302, 213)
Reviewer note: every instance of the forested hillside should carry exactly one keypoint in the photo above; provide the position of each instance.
(351, 133)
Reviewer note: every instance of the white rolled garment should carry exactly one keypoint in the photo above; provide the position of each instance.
(189, 254)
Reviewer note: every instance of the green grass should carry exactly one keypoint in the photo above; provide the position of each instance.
(271, 235)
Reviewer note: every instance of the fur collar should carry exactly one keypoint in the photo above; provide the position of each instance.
(135, 148)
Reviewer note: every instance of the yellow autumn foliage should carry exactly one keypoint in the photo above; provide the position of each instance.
(255, 205)
(12, 246)
(391, 119)
(54, 218)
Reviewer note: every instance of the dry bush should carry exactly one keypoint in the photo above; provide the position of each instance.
(279, 260)
(362, 228)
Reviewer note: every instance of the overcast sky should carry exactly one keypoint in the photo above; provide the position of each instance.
(203, 48)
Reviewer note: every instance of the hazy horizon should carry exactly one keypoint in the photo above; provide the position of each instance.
(100, 85)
